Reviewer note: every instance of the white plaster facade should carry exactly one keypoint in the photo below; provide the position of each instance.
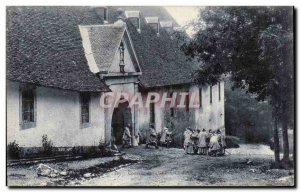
(208, 116)
(57, 116)
(58, 111)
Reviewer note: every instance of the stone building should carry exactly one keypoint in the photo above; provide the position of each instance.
(64, 62)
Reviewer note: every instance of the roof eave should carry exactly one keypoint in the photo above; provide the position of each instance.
(133, 49)
(106, 89)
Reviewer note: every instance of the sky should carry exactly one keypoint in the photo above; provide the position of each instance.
(183, 15)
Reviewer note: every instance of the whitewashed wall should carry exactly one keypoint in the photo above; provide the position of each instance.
(58, 116)
(211, 115)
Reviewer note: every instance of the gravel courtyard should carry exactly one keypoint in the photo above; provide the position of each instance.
(171, 167)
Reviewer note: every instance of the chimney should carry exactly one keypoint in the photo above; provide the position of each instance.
(105, 15)
(154, 22)
(120, 14)
(135, 18)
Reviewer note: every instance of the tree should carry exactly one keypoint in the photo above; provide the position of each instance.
(254, 47)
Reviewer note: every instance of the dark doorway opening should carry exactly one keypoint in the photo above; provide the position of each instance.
(121, 117)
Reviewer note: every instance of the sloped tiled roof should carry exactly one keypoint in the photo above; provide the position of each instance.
(105, 41)
(44, 47)
(161, 60)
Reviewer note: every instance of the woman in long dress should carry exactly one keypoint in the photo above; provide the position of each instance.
(165, 138)
(195, 140)
(214, 144)
(222, 141)
(188, 143)
(126, 137)
(202, 142)
(152, 139)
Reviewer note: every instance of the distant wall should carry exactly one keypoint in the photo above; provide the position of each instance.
(58, 116)
(209, 116)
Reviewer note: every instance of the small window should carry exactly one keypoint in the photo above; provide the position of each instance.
(85, 107)
(122, 64)
(187, 102)
(172, 111)
(210, 91)
(105, 14)
(200, 97)
(219, 91)
(28, 105)
(152, 112)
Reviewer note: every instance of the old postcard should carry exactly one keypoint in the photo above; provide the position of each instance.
(115, 96)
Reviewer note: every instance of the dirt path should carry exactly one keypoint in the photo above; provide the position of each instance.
(171, 167)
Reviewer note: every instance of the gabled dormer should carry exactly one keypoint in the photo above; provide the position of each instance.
(109, 49)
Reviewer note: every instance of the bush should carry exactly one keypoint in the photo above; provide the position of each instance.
(104, 149)
(13, 150)
(232, 141)
(76, 150)
(47, 146)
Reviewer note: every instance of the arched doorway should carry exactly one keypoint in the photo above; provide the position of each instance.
(121, 117)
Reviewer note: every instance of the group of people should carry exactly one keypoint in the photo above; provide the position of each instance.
(164, 139)
(153, 138)
(204, 143)
(195, 141)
